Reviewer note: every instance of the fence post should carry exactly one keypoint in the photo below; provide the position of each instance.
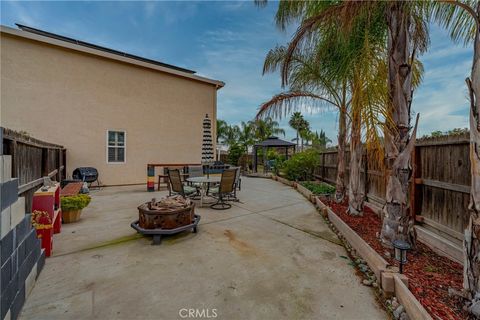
(414, 197)
(44, 162)
(60, 163)
(64, 157)
(13, 153)
(323, 167)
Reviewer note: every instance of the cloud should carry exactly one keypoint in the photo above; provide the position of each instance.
(234, 5)
(446, 53)
(222, 36)
(442, 99)
(228, 41)
(443, 102)
(172, 13)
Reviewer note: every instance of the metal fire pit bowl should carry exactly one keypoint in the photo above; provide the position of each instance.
(158, 233)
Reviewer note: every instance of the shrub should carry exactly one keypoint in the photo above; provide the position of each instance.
(77, 202)
(301, 165)
(272, 154)
(234, 154)
(275, 160)
(319, 188)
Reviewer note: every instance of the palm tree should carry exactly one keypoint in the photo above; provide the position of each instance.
(295, 122)
(265, 128)
(308, 136)
(231, 136)
(221, 129)
(304, 132)
(320, 140)
(407, 35)
(342, 57)
(310, 84)
(247, 135)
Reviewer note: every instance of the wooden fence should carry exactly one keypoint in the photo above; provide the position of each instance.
(32, 160)
(440, 186)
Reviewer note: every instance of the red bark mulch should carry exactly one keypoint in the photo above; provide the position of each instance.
(429, 274)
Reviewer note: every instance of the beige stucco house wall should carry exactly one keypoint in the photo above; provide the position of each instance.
(71, 95)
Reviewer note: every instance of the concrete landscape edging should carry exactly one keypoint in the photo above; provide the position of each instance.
(414, 308)
(390, 281)
(286, 182)
(373, 259)
(305, 192)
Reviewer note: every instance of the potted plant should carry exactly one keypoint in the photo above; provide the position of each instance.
(72, 207)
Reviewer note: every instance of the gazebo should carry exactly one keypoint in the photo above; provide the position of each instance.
(271, 142)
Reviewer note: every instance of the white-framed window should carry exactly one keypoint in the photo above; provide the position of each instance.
(116, 146)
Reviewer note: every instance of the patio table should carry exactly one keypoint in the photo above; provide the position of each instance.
(204, 182)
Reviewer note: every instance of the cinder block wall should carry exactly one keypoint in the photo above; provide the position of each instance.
(21, 257)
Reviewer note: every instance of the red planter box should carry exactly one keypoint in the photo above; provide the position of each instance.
(48, 201)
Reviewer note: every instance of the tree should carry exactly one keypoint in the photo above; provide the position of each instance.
(323, 139)
(308, 136)
(222, 128)
(231, 136)
(247, 135)
(320, 140)
(234, 153)
(351, 58)
(265, 128)
(295, 123)
(304, 132)
(407, 34)
(310, 84)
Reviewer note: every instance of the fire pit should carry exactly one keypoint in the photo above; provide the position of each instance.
(167, 216)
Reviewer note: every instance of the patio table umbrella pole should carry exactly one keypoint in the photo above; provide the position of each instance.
(207, 146)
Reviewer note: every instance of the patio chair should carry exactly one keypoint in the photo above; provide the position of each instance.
(177, 187)
(225, 190)
(195, 171)
(238, 179)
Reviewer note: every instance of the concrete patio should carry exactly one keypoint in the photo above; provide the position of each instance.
(269, 257)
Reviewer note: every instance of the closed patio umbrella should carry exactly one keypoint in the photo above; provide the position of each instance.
(207, 145)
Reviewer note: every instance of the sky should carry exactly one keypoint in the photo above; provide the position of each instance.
(228, 41)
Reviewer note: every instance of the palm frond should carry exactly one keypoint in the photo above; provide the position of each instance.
(260, 3)
(457, 16)
(284, 103)
(274, 59)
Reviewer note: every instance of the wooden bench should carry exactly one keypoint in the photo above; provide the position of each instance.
(71, 189)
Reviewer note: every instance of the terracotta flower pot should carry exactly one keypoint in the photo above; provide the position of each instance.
(71, 216)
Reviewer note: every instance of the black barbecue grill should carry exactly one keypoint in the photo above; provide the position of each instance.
(86, 174)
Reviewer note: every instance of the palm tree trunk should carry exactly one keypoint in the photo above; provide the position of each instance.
(342, 135)
(398, 143)
(298, 141)
(356, 193)
(471, 275)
